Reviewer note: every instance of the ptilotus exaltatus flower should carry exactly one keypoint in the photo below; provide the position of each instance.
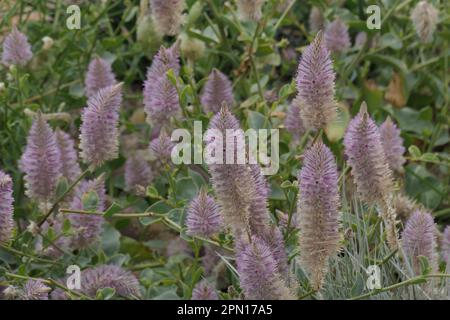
(99, 128)
(161, 148)
(99, 76)
(137, 172)
(316, 20)
(445, 246)
(16, 49)
(425, 18)
(336, 36)
(203, 216)
(216, 92)
(69, 158)
(167, 15)
(419, 239)
(258, 274)
(293, 122)
(35, 290)
(315, 86)
(6, 207)
(318, 211)
(160, 95)
(250, 9)
(392, 144)
(204, 291)
(41, 161)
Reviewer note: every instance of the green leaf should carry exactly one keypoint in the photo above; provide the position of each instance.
(414, 151)
(62, 186)
(110, 240)
(105, 293)
(186, 188)
(256, 120)
(152, 192)
(114, 208)
(90, 201)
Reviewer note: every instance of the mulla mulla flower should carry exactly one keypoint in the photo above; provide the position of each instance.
(203, 217)
(99, 128)
(336, 36)
(318, 209)
(41, 161)
(167, 15)
(250, 9)
(34, 290)
(425, 18)
(6, 207)
(137, 172)
(69, 158)
(293, 123)
(161, 148)
(419, 239)
(216, 92)
(99, 76)
(445, 245)
(392, 145)
(258, 274)
(315, 86)
(204, 291)
(160, 96)
(16, 49)
(316, 20)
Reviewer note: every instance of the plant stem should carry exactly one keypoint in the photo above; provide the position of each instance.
(23, 254)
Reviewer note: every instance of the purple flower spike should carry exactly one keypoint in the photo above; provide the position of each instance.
(315, 85)
(318, 211)
(6, 207)
(203, 217)
(419, 239)
(316, 20)
(217, 91)
(99, 128)
(161, 148)
(137, 172)
(445, 245)
(293, 122)
(204, 291)
(69, 158)
(35, 290)
(337, 38)
(392, 145)
(425, 18)
(99, 76)
(167, 15)
(16, 49)
(365, 155)
(41, 161)
(258, 274)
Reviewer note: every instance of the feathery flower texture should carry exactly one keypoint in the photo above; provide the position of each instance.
(161, 147)
(137, 172)
(99, 76)
(293, 122)
(204, 291)
(250, 9)
(315, 85)
(318, 211)
(316, 20)
(6, 207)
(216, 92)
(425, 17)
(16, 49)
(445, 245)
(35, 290)
(41, 161)
(392, 144)
(69, 158)
(336, 36)
(99, 128)
(203, 217)
(167, 15)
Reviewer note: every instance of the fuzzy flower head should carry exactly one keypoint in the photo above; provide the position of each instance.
(425, 18)
(167, 15)
(337, 38)
(16, 49)
(293, 122)
(137, 172)
(69, 157)
(204, 291)
(250, 9)
(360, 39)
(392, 145)
(161, 148)
(203, 217)
(217, 92)
(35, 290)
(419, 239)
(6, 207)
(41, 161)
(99, 76)
(365, 155)
(99, 128)
(316, 20)
(445, 245)
(315, 85)
(318, 211)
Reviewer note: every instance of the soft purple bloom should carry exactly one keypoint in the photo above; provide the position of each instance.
(99, 128)
(315, 86)
(445, 245)
(161, 148)
(167, 15)
(160, 96)
(316, 20)
(217, 92)
(365, 155)
(137, 172)
(204, 291)
(336, 36)
(41, 161)
(69, 158)
(392, 144)
(35, 290)
(210, 258)
(425, 18)
(318, 211)
(361, 39)
(258, 274)
(293, 122)
(203, 217)
(250, 9)
(6, 207)
(16, 49)
(419, 239)
(99, 76)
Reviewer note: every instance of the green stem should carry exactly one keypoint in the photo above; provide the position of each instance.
(23, 254)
